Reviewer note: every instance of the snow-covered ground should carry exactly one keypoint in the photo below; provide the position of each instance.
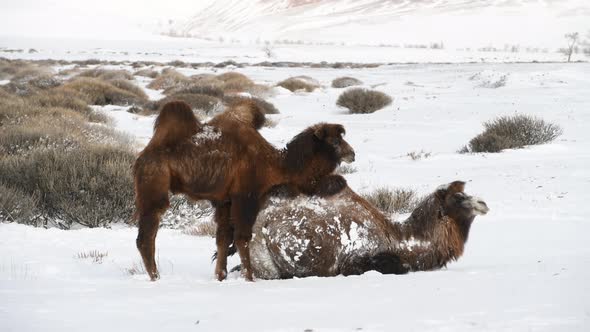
(526, 266)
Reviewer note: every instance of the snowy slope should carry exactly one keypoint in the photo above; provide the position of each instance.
(526, 266)
(464, 23)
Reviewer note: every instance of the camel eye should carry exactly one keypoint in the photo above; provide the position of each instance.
(459, 196)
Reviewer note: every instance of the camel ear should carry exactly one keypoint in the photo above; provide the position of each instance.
(321, 132)
(457, 186)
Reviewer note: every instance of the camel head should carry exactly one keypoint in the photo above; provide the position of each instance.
(323, 140)
(459, 205)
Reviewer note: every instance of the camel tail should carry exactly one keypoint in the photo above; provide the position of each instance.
(230, 252)
(176, 122)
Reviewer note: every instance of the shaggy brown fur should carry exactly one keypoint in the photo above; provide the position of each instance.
(231, 165)
(344, 234)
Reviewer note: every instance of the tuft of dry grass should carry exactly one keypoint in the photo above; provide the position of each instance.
(362, 101)
(169, 78)
(513, 132)
(345, 82)
(98, 92)
(388, 200)
(265, 106)
(107, 74)
(207, 228)
(136, 268)
(299, 83)
(94, 255)
(207, 104)
(346, 169)
(17, 206)
(147, 73)
(417, 155)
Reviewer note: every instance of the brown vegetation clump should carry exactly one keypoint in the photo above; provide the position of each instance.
(359, 100)
(107, 74)
(207, 104)
(265, 106)
(147, 73)
(89, 186)
(513, 132)
(390, 201)
(69, 99)
(97, 92)
(345, 82)
(17, 206)
(299, 83)
(169, 78)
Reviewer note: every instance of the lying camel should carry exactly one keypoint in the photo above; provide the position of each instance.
(306, 236)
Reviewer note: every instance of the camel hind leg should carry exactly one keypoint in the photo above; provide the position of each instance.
(152, 201)
(223, 237)
(244, 210)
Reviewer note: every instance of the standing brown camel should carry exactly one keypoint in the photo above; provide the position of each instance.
(344, 234)
(231, 165)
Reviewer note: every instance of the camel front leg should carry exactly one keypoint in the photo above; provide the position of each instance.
(244, 211)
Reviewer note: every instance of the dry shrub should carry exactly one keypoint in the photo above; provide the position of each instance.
(147, 73)
(17, 206)
(10, 68)
(265, 106)
(107, 74)
(235, 82)
(94, 255)
(201, 88)
(130, 87)
(205, 103)
(207, 228)
(19, 140)
(390, 201)
(345, 82)
(513, 132)
(90, 186)
(97, 92)
(69, 99)
(169, 78)
(30, 80)
(417, 155)
(346, 169)
(299, 83)
(359, 100)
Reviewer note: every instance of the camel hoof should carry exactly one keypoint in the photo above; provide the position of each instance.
(154, 277)
(221, 275)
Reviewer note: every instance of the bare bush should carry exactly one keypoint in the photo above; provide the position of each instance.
(107, 74)
(345, 82)
(202, 88)
(90, 186)
(94, 255)
(97, 92)
(346, 169)
(390, 201)
(299, 83)
(417, 155)
(207, 228)
(265, 106)
(129, 87)
(359, 100)
(169, 78)
(205, 103)
(147, 73)
(513, 132)
(17, 206)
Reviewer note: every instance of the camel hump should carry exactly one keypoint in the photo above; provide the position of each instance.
(176, 122)
(244, 111)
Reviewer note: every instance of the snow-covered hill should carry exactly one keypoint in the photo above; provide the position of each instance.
(466, 23)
